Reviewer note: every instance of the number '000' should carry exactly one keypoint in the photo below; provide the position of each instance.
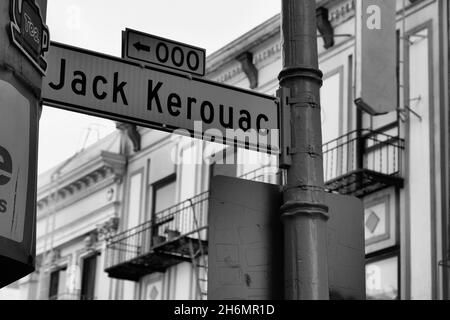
(177, 56)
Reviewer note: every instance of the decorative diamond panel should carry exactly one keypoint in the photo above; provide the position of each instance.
(372, 221)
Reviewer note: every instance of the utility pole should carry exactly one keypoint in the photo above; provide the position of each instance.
(304, 214)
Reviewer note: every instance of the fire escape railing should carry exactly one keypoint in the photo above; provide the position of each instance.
(188, 218)
(362, 153)
(266, 174)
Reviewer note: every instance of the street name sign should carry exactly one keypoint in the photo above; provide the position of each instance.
(146, 48)
(89, 82)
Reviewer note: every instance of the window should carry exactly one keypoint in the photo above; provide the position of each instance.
(331, 105)
(188, 172)
(57, 283)
(134, 206)
(88, 278)
(164, 194)
(163, 198)
(382, 279)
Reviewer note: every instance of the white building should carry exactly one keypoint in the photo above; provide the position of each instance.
(129, 189)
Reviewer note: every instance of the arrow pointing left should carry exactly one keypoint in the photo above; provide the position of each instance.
(139, 46)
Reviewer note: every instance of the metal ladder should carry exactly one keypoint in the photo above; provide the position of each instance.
(200, 265)
(199, 260)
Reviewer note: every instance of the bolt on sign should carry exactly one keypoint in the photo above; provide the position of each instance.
(376, 91)
(23, 43)
(89, 82)
(149, 49)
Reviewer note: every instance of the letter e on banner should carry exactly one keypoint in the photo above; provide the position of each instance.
(14, 156)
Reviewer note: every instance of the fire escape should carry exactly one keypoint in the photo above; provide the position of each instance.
(177, 234)
(362, 162)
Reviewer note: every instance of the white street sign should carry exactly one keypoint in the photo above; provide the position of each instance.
(146, 48)
(89, 82)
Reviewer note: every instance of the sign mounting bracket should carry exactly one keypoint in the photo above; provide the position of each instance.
(284, 107)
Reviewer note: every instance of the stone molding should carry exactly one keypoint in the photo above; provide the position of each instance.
(108, 165)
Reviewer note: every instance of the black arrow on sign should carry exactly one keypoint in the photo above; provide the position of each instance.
(139, 46)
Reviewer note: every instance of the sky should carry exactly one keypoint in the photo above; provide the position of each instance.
(97, 25)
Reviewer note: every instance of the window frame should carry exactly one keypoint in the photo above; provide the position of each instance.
(57, 271)
(172, 178)
(385, 254)
(83, 260)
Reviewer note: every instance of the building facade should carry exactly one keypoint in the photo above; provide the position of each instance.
(127, 217)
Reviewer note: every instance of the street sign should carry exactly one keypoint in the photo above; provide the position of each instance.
(89, 82)
(149, 49)
(245, 244)
(29, 33)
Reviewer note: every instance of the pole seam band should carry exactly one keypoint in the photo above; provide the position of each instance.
(294, 207)
(302, 72)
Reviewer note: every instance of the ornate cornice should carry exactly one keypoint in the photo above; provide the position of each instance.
(267, 53)
(340, 12)
(107, 228)
(229, 74)
(108, 165)
(246, 42)
(220, 65)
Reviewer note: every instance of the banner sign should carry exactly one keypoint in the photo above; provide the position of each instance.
(376, 56)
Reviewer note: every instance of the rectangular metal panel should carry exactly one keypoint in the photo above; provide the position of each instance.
(246, 242)
(84, 81)
(346, 256)
(376, 56)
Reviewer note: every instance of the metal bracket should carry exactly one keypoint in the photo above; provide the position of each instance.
(285, 160)
(444, 263)
(403, 112)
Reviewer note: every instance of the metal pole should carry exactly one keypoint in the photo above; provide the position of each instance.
(303, 213)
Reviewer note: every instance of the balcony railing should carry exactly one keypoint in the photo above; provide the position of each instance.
(159, 243)
(362, 162)
(266, 174)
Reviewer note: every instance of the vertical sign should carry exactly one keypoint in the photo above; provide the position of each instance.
(14, 161)
(376, 91)
(24, 39)
(18, 180)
